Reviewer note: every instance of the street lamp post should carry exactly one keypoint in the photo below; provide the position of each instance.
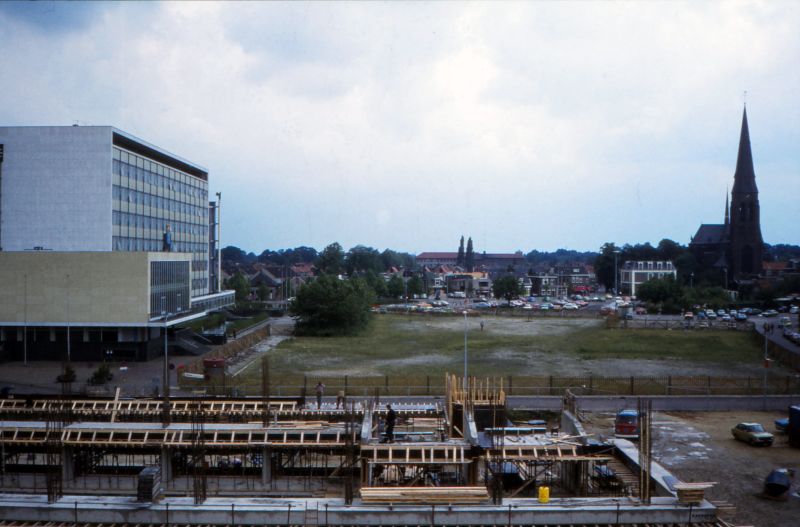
(691, 280)
(25, 338)
(616, 272)
(465, 349)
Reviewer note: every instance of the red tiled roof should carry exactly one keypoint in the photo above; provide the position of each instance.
(774, 266)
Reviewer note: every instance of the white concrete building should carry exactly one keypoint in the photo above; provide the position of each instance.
(68, 193)
(633, 274)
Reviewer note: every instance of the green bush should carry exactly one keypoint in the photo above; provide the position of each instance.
(101, 375)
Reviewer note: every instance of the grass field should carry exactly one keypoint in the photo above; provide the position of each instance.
(405, 346)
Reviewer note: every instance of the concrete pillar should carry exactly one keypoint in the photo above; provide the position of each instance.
(166, 464)
(266, 466)
(68, 464)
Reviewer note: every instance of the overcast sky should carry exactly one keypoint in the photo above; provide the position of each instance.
(525, 125)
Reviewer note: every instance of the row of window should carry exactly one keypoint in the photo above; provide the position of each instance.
(142, 167)
(123, 243)
(659, 265)
(127, 219)
(159, 202)
(144, 176)
(199, 283)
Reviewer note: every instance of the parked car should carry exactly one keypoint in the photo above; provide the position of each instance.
(626, 424)
(726, 318)
(482, 304)
(770, 313)
(782, 424)
(720, 312)
(785, 322)
(752, 433)
(793, 310)
(701, 316)
(688, 315)
(711, 315)
(571, 306)
(641, 311)
(741, 316)
(628, 316)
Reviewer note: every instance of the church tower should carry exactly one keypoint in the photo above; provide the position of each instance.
(746, 245)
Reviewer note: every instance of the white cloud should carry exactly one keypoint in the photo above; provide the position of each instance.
(406, 125)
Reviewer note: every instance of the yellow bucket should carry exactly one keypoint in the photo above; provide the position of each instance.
(544, 494)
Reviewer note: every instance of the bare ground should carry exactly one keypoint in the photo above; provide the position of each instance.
(699, 447)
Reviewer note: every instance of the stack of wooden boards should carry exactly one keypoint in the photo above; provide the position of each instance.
(435, 495)
(149, 484)
(692, 492)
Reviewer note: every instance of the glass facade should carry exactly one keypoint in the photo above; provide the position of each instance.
(169, 288)
(148, 197)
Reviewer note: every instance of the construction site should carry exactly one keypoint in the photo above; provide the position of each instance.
(78, 461)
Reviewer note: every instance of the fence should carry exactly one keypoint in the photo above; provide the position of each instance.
(423, 386)
(227, 351)
(494, 311)
(666, 323)
(779, 352)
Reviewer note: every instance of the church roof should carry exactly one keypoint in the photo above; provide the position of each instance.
(744, 180)
(710, 234)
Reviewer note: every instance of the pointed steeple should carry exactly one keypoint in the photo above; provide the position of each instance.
(727, 214)
(744, 180)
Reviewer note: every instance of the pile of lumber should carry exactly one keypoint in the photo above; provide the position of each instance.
(435, 495)
(692, 492)
(149, 484)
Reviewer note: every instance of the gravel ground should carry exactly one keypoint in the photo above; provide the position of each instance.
(699, 447)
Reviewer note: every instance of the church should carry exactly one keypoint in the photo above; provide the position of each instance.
(735, 247)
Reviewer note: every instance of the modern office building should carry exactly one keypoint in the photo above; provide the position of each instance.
(105, 240)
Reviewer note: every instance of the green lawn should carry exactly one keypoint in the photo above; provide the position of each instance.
(419, 346)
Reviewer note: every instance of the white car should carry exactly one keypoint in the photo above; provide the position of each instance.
(794, 310)
(570, 306)
(721, 312)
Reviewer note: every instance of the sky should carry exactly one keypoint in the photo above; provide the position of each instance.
(406, 125)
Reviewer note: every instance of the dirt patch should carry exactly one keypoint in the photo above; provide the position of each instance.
(699, 447)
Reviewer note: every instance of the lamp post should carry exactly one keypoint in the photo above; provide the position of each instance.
(25, 338)
(219, 242)
(465, 349)
(726, 278)
(616, 272)
(691, 280)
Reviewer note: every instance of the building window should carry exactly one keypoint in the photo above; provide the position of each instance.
(659, 265)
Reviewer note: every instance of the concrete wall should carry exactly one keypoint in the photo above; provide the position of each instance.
(103, 287)
(56, 188)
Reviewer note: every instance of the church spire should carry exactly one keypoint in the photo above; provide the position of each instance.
(727, 214)
(744, 180)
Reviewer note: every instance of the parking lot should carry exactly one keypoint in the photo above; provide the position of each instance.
(699, 447)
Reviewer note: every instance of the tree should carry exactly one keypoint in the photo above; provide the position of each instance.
(604, 265)
(416, 286)
(101, 375)
(233, 254)
(361, 258)
(470, 288)
(67, 376)
(376, 282)
(469, 258)
(507, 287)
(394, 259)
(328, 306)
(396, 286)
(263, 291)
(238, 282)
(330, 259)
(460, 257)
